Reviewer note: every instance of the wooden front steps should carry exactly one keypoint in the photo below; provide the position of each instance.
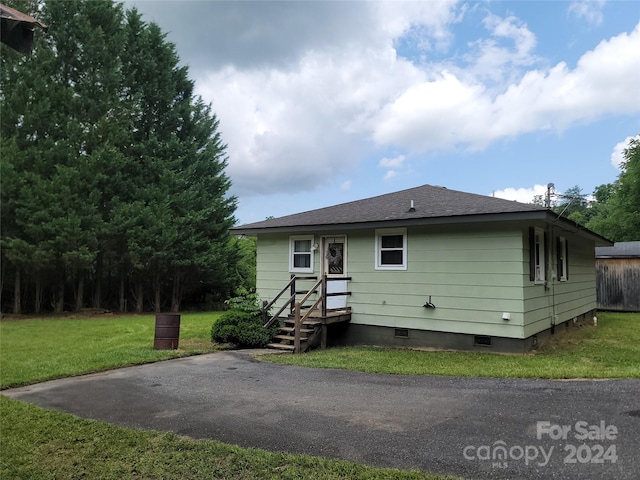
(313, 332)
(306, 325)
(309, 335)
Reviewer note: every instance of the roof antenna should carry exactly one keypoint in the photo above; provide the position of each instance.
(412, 208)
(547, 200)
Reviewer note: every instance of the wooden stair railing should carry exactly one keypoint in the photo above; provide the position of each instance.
(292, 286)
(314, 329)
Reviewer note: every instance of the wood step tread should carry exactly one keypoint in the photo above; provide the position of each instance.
(290, 338)
(302, 330)
(306, 323)
(281, 346)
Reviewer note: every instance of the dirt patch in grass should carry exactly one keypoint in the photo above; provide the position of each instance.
(565, 338)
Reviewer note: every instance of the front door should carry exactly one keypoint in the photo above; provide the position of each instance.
(335, 266)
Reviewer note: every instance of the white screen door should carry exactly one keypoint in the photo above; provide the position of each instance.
(335, 266)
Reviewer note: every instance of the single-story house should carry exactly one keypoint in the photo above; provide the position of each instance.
(431, 267)
(618, 277)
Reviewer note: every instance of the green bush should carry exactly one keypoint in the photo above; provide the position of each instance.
(245, 301)
(243, 329)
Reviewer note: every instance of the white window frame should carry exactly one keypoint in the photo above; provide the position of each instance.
(292, 253)
(378, 248)
(539, 255)
(562, 258)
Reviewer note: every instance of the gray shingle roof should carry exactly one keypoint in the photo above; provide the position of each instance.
(430, 202)
(619, 250)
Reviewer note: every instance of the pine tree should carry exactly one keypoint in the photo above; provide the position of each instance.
(112, 168)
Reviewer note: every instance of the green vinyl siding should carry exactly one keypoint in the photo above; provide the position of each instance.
(272, 269)
(560, 301)
(472, 276)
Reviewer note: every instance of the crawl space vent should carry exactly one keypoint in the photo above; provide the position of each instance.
(402, 332)
(482, 341)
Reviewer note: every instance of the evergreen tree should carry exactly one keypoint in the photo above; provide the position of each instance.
(27, 148)
(112, 169)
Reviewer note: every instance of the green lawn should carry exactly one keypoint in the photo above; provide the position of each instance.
(38, 349)
(41, 444)
(610, 350)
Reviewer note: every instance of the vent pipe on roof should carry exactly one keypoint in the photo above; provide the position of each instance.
(412, 208)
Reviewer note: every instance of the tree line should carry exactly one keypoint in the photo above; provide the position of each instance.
(114, 192)
(613, 210)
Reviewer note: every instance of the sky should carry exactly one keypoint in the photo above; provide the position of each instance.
(327, 102)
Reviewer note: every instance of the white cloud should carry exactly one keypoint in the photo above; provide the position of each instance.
(250, 35)
(432, 115)
(345, 185)
(523, 195)
(427, 23)
(304, 94)
(280, 134)
(394, 162)
(511, 45)
(589, 10)
(298, 127)
(447, 111)
(617, 156)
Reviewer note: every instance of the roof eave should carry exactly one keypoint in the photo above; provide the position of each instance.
(574, 227)
(405, 222)
(538, 215)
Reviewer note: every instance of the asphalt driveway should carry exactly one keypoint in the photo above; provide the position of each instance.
(471, 427)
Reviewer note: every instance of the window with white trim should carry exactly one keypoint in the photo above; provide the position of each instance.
(539, 255)
(562, 255)
(391, 249)
(301, 254)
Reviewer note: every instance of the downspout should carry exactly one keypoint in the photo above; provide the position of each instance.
(552, 273)
(323, 247)
(323, 273)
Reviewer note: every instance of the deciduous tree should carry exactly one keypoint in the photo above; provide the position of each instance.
(618, 204)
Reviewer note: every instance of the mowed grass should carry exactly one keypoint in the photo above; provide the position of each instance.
(37, 349)
(42, 444)
(609, 350)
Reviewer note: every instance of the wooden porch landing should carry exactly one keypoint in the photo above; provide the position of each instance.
(333, 316)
